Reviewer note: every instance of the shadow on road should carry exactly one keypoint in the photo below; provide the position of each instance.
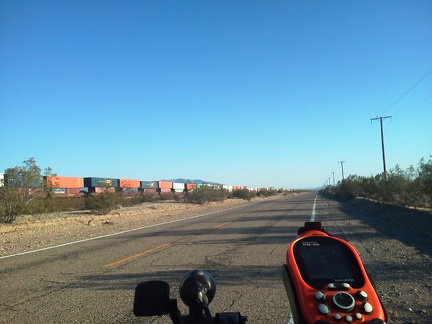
(412, 227)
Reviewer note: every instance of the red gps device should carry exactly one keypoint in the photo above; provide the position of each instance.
(326, 281)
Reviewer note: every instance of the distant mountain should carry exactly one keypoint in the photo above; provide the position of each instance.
(182, 180)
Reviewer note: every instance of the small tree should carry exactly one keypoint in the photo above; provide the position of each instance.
(22, 186)
(48, 186)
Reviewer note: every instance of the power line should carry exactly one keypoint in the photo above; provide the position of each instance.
(412, 87)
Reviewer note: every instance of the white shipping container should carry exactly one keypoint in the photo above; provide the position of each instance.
(1, 179)
(178, 186)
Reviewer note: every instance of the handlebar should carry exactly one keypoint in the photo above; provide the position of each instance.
(197, 290)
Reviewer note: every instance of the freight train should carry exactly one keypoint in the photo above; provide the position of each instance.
(71, 186)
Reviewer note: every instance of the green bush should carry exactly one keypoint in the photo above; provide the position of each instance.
(104, 202)
(23, 185)
(269, 192)
(205, 195)
(410, 187)
(244, 193)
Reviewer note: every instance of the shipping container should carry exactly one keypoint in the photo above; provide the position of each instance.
(129, 189)
(101, 189)
(177, 186)
(19, 182)
(126, 183)
(100, 182)
(190, 186)
(212, 185)
(66, 192)
(1, 179)
(164, 184)
(149, 184)
(64, 182)
(199, 185)
(164, 190)
(59, 190)
(149, 191)
(178, 190)
(130, 192)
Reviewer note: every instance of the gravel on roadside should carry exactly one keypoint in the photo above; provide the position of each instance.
(395, 245)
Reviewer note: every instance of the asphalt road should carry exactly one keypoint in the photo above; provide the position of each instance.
(94, 281)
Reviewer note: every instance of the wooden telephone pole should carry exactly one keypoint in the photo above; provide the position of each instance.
(382, 142)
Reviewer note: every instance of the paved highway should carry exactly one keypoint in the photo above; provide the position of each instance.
(94, 281)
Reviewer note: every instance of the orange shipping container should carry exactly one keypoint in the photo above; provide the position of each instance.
(164, 184)
(191, 186)
(125, 183)
(64, 182)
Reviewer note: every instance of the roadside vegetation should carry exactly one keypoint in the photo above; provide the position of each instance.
(411, 187)
(25, 193)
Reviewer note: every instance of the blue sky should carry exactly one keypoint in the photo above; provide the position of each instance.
(250, 93)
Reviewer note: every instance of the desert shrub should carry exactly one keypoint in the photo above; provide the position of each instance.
(166, 196)
(410, 187)
(244, 193)
(206, 194)
(269, 192)
(104, 202)
(23, 185)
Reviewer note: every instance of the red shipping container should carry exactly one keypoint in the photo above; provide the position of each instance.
(102, 189)
(163, 190)
(126, 183)
(148, 191)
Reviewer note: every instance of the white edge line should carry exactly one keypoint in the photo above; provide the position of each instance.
(312, 219)
(117, 233)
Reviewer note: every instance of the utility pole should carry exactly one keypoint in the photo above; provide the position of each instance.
(333, 179)
(342, 162)
(382, 142)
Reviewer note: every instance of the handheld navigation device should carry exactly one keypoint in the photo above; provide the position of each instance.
(326, 281)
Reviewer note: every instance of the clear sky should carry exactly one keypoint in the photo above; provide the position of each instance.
(250, 93)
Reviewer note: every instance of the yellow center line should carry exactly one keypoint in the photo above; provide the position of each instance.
(220, 225)
(136, 255)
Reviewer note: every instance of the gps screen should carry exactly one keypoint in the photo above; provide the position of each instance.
(323, 260)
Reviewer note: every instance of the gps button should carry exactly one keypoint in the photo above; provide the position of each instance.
(339, 286)
(367, 308)
(343, 301)
(324, 309)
